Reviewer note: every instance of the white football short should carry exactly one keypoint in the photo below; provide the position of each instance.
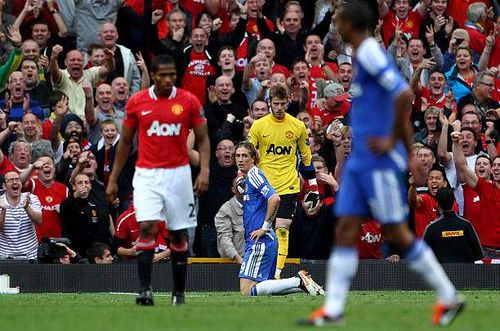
(165, 194)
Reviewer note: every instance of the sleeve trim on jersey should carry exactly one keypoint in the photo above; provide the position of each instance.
(123, 219)
(371, 57)
(254, 178)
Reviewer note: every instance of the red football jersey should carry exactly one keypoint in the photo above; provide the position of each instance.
(195, 77)
(410, 25)
(472, 208)
(163, 125)
(328, 116)
(127, 229)
(318, 72)
(489, 228)
(194, 7)
(50, 197)
(426, 213)
(370, 240)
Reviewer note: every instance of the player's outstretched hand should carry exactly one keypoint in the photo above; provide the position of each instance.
(201, 183)
(379, 145)
(256, 234)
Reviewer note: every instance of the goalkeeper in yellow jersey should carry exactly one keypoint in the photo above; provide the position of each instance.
(280, 139)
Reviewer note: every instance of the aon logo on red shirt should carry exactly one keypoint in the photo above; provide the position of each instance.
(164, 129)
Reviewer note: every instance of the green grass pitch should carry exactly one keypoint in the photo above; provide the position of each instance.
(366, 311)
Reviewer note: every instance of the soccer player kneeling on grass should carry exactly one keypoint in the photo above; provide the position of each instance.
(260, 204)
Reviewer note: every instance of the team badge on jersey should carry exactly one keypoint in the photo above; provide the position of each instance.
(177, 109)
(289, 135)
(49, 199)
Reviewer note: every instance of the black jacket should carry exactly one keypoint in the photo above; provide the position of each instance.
(85, 221)
(453, 239)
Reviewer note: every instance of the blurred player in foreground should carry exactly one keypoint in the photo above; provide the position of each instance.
(260, 205)
(373, 178)
(162, 116)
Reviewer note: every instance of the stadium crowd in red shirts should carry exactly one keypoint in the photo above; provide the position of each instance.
(68, 69)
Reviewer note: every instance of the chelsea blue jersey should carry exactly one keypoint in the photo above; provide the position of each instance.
(257, 192)
(375, 87)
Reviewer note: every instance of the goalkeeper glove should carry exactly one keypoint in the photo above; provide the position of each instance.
(311, 199)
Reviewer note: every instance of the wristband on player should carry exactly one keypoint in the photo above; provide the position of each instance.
(266, 226)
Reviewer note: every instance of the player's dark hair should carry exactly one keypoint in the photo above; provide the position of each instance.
(278, 92)
(160, 60)
(249, 147)
(445, 198)
(96, 250)
(356, 12)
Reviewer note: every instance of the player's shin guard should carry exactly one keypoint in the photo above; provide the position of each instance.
(144, 266)
(282, 234)
(179, 266)
(423, 261)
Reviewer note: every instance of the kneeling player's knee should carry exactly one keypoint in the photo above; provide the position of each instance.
(282, 232)
(245, 292)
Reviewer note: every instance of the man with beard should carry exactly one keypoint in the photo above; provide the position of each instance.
(51, 194)
(222, 173)
(345, 76)
(70, 80)
(104, 111)
(19, 212)
(68, 126)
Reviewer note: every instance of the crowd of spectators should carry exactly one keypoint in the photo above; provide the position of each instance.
(67, 69)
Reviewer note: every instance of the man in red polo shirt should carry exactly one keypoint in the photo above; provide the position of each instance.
(489, 193)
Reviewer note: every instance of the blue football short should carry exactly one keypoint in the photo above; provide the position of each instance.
(375, 192)
(259, 262)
